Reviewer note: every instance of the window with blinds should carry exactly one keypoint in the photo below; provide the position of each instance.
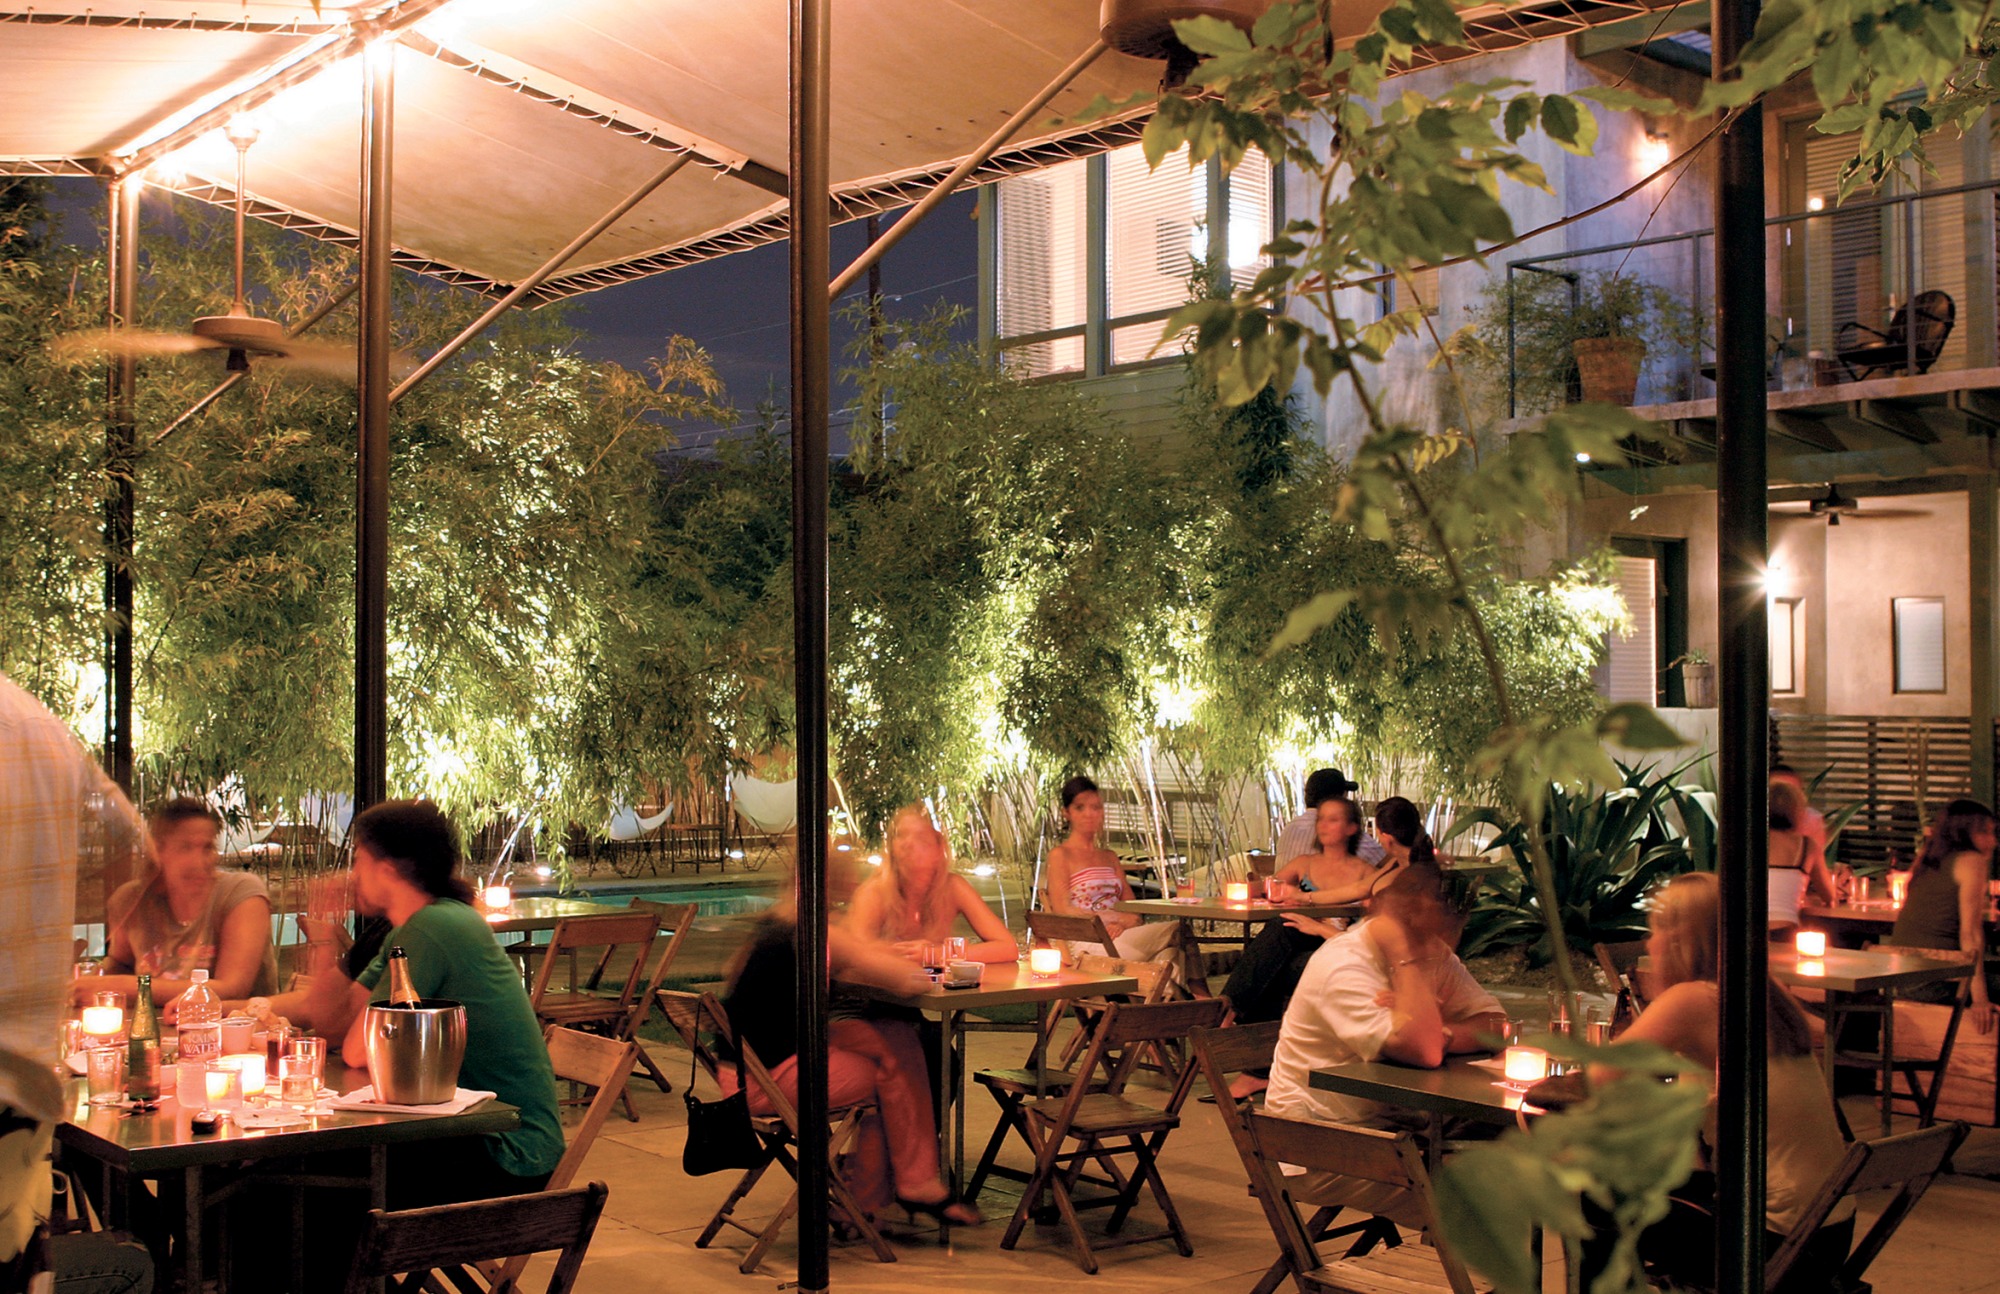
(1250, 219)
(1156, 235)
(1859, 266)
(1043, 247)
(1631, 661)
(1786, 623)
(1919, 643)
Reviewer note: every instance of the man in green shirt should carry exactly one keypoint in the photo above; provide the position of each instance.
(405, 861)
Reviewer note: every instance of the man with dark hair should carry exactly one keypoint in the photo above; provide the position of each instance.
(1322, 784)
(405, 869)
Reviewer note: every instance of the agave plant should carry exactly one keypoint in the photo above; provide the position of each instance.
(1609, 849)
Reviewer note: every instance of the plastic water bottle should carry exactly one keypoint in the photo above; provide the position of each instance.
(200, 1021)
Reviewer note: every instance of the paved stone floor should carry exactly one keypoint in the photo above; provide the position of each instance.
(646, 1241)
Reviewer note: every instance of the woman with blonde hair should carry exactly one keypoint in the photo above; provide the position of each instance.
(917, 900)
(1803, 1144)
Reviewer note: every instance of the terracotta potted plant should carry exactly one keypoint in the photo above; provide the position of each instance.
(1615, 315)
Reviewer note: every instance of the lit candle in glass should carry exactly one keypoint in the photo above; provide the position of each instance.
(499, 898)
(1899, 885)
(1044, 963)
(1810, 943)
(103, 1021)
(1236, 892)
(1526, 1064)
(255, 1073)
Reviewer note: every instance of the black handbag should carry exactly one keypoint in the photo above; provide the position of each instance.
(719, 1134)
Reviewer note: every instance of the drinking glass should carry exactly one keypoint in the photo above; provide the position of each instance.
(297, 1086)
(107, 1075)
(310, 1054)
(236, 1034)
(1274, 890)
(954, 949)
(224, 1087)
(1596, 1027)
(1559, 1021)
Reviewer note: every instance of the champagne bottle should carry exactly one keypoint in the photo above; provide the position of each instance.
(402, 992)
(142, 1071)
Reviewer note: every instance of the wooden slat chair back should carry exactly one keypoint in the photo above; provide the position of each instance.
(608, 934)
(1907, 1162)
(780, 1132)
(447, 1243)
(1054, 928)
(1156, 984)
(1391, 1158)
(1105, 1127)
(676, 922)
(601, 1064)
(1223, 1053)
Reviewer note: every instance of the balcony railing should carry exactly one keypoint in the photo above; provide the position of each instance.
(1839, 281)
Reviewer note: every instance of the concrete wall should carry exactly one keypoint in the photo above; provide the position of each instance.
(1846, 576)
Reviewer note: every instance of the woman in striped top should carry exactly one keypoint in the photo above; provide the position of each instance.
(1084, 878)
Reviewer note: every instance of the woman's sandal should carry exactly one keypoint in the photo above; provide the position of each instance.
(940, 1211)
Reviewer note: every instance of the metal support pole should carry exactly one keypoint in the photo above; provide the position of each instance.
(120, 451)
(973, 161)
(371, 511)
(1744, 671)
(811, 395)
(1982, 500)
(535, 280)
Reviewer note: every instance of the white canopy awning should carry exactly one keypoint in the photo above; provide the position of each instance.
(519, 123)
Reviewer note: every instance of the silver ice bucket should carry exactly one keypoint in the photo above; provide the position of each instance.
(414, 1052)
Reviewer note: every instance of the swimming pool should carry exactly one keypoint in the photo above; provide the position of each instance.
(713, 900)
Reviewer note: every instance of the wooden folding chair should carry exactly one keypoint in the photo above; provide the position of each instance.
(586, 1007)
(1010, 1087)
(1052, 927)
(445, 1244)
(1224, 1052)
(1911, 1069)
(1907, 1162)
(1620, 964)
(602, 1064)
(780, 1135)
(676, 922)
(1105, 1126)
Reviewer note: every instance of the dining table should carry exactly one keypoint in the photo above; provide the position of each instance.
(126, 1146)
(1000, 984)
(1467, 1086)
(1851, 974)
(1249, 913)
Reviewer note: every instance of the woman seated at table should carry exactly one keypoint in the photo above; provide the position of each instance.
(1945, 906)
(1084, 879)
(1803, 1142)
(405, 864)
(875, 1060)
(1264, 979)
(183, 914)
(1797, 865)
(916, 899)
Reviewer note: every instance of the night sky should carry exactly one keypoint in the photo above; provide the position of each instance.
(734, 307)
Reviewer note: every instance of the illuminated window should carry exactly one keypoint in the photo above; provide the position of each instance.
(1090, 256)
(1919, 643)
(1788, 645)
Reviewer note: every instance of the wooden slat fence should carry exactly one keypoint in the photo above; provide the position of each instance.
(1899, 768)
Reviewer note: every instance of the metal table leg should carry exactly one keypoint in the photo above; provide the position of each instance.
(191, 1186)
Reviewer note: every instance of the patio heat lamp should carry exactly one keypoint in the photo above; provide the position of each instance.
(1145, 28)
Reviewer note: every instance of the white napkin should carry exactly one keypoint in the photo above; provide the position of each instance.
(363, 1099)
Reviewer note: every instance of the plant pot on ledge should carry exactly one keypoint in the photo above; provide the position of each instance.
(1608, 368)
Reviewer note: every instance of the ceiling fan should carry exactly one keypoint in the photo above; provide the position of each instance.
(239, 333)
(1833, 505)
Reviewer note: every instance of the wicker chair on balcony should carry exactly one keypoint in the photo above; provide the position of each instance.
(1863, 351)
